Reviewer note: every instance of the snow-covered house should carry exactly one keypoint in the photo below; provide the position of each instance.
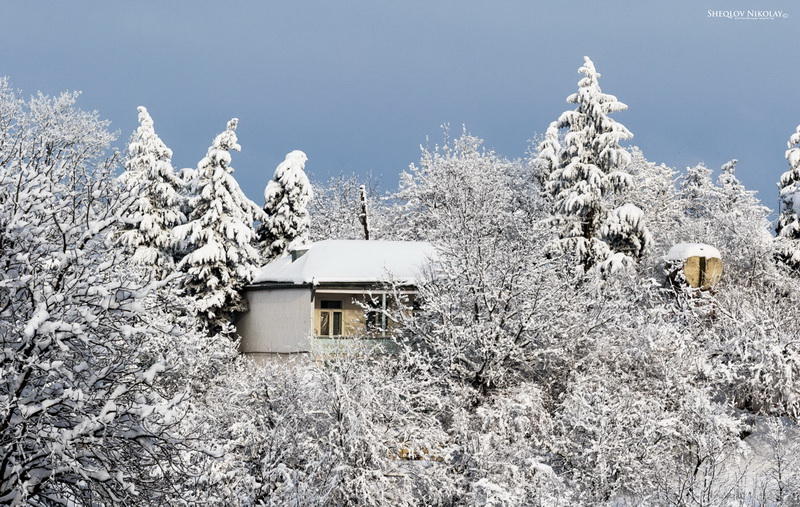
(311, 297)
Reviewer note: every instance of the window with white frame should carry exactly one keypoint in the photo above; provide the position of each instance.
(330, 317)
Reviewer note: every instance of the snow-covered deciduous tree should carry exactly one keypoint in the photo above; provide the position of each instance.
(781, 482)
(697, 191)
(158, 208)
(754, 347)
(480, 323)
(447, 184)
(622, 419)
(728, 216)
(499, 447)
(480, 319)
(80, 419)
(653, 190)
(335, 209)
(788, 225)
(286, 200)
(304, 433)
(220, 236)
(741, 230)
(589, 166)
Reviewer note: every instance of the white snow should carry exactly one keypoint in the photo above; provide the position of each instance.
(629, 213)
(683, 251)
(590, 164)
(219, 234)
(285, 204)
(351, 261)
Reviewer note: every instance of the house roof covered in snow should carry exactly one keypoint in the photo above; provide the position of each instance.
(683, 251)
(351, 261)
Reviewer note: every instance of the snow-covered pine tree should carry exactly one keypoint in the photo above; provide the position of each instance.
(286, 198)
(591, 165)
(220, 236)
(188, 180)
(788, 225)
(157, 210)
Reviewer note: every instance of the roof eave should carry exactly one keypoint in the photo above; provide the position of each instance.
(267, 285)
(277, 285)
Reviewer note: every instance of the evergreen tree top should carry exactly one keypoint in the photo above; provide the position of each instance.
(589, 92)
(793, 157)
(788, 224)
(289, 173)
(144, 140)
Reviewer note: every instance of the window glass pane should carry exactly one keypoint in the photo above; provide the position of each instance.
(373, 321)
(330, 304)
(337, 323)
(325, 323)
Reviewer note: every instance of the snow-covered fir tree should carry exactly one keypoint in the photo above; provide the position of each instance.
(727, 178)
(548, 155)
(735, 199)
(590, 166)
(158, 209)
(625, 232)
(788, 225)
(219, 235)
(286, 199)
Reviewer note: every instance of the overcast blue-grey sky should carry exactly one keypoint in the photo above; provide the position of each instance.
(360, 84)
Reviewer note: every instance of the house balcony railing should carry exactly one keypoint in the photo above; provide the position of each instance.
(342, 344)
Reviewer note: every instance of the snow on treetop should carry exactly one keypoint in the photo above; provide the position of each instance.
(144, 116)
(630, 212)
(227, 140)
(297, 154)
(683, 251)
(351, 261)
(290, 172)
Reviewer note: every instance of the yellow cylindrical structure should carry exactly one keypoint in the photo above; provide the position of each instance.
(700, 265)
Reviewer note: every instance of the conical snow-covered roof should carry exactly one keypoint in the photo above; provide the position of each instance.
(683, 251)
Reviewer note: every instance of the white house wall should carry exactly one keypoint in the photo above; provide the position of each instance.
(278, 320)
